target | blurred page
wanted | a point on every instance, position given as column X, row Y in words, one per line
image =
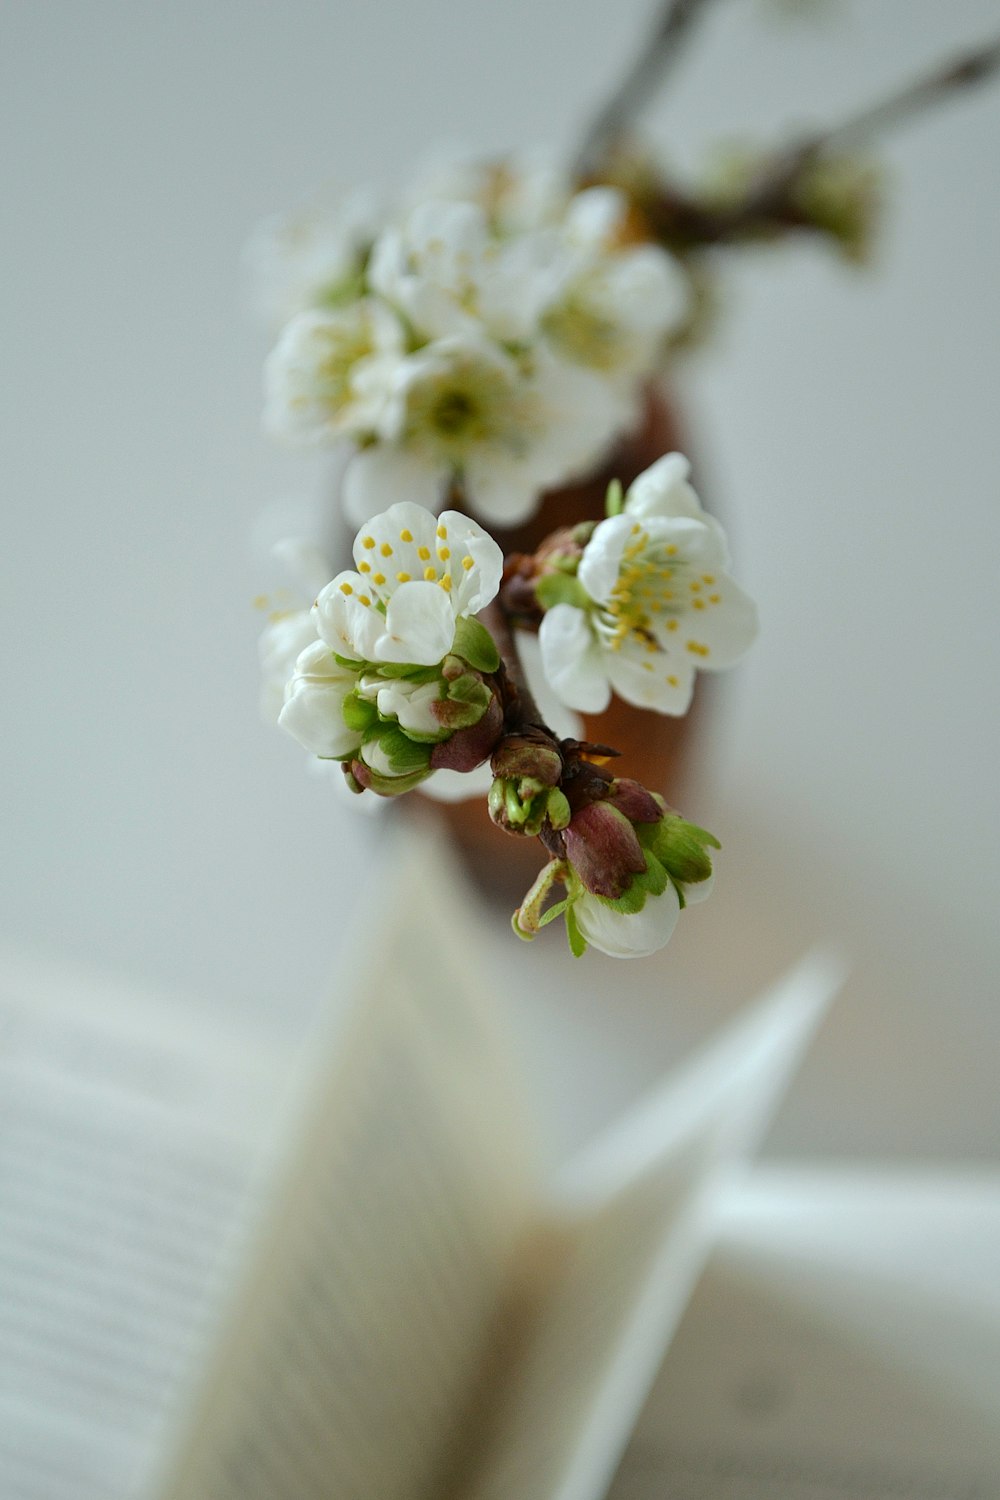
column 373, row 1294
column 128, row 1130
column 843, row 1341
column 634, row 1210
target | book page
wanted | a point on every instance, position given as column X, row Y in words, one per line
column 374, row 1292
column 843, row 1343
column 634, row 1212
column 126, row 1166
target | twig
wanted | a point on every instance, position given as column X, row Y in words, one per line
column 647, row 71
column 525, row 708
column 685, row 221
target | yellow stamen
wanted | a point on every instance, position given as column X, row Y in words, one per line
column 444, row 553
column 364, row 567
column 406, row 535
column 345, row 588
column 467, row 563
column 442, row 532
column 430, row 574
column 385, row 549
column 368, row 541
column 445, row 583
column 378, row 578
column 423, row 553
column 402, row 577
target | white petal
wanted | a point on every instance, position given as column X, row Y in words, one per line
column 663, row 490
column 419, row 625
column 313, row 706
column 650, row 679
column 572, row 660
column 343, row 621
column 633, row 935
column 699, row 891
column 501, row 489
column 411, row 706
column 476, row 586
column 380, row 475
column 720, row 631
column 602, row 556
column 596, row 214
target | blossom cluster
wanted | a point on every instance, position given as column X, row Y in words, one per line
column 490, row 336
column 394, row 682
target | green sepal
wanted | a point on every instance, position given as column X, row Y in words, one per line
column 553, row 912
column 358, row 714
column 404, row 754
column 614, row 500
column 575, row 938
column 682, row 848
column 475, row 645
column 560, row 588
column 558, row 809
column 395, row 786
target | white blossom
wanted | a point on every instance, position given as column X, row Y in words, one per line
column 416, row 575
column 290, row 627
column 464, row 410
column 329, row 373
column 310, row 259
column 615, row 303
column 659, row 603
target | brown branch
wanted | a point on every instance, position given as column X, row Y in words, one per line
column 520, row 707
column 683, row 221
column 648, row 69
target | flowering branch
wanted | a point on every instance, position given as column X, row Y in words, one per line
column 779, row 194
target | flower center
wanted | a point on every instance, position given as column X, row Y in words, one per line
column 645, row 595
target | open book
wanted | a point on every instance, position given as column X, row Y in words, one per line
column 424, row 1315
column 376, row 1290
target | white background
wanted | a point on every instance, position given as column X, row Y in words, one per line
column 847, row 423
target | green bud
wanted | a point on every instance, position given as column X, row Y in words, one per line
column 475, row 645
column 681, row 848
column 560, row 588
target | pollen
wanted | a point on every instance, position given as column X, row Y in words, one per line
column 364, row 599
column 364, row 567
column 698, row 603
column 672, row 681
column 345, row 588
column 423, row 553
column 672, row 550
column 467, row 563
column 671, row 624
column 406, row 535
column 697, row 648
column 378, row 578
column 385, row 549
column 715, row 598
column 430, row 574
column 402, row 577
column 442, row 532
column 368, row 541
column 444, row 553
column 708, row 578
column 696, row 587
column 445, row 583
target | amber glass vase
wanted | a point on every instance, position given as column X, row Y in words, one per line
column 655, row 749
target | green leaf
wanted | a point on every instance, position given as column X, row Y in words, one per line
column 577, row 941
column 560, row 588
column 475, row 645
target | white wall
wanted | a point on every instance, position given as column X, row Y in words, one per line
column 848, row 423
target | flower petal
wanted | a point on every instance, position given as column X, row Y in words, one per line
column 572, row 660
column 654, row 679
column 419, row 625
column 602, row 556
column 663, row 490
column 382, row 474
column 632, row 935
column 719, row 626
column 345, row 617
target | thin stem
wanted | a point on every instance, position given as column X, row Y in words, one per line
column 932, row 88
column 648, row 69
column 496, row 621
column 771, row 202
